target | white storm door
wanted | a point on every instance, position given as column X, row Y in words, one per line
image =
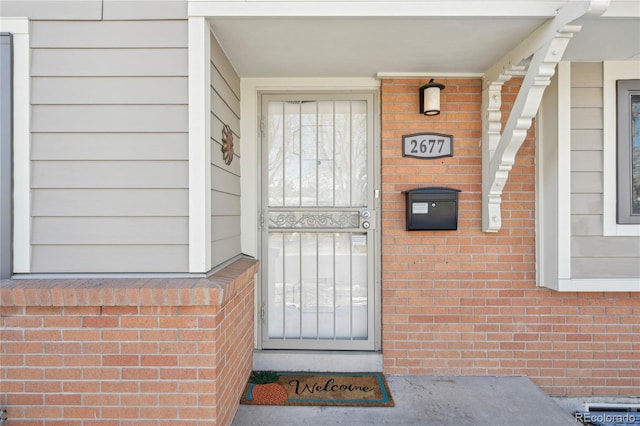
column 318, row 221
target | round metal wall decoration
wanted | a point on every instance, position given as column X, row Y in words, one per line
column 227, row 144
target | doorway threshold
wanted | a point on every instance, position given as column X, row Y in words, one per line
column 334, row 361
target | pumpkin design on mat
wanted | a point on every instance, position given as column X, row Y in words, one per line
column 266, row 389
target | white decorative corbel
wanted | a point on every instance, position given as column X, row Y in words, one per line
column 537, row 57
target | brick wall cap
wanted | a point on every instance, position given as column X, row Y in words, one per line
column 214, row 290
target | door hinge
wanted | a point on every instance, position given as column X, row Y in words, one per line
column 261, row 220
column 261, row 312
column 261, row 126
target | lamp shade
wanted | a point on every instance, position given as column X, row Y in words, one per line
column 430, row 98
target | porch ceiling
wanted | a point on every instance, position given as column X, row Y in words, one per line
column 363, row 46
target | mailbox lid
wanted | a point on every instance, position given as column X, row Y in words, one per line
column 433, row 193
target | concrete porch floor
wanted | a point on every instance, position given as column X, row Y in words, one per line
column 430, row 400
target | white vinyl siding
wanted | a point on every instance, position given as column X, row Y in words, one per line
column 111, row 258
column 110, row 150
column 109, row 230
column 109, row 91
column 110, row 34
column 147, row 9
column 225, row 179
column 109, row 63
column 53, row 9
column 114, row 146
column 593, row 255
column 109, row 118
column 110, row 202
column 109, row 174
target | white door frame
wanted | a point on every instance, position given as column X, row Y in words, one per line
column 250, row 165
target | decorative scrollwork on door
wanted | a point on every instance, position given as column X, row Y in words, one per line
column 313, row 220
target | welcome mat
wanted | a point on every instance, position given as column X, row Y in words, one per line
column 304, row 388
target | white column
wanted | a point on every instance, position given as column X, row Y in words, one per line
column 199, row 145
column 19, row 27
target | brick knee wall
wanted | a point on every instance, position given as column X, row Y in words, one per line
column 156, row 352
column 465, row 302
column 235, row 353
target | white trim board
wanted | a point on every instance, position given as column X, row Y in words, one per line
column 599, row 285
column 392, row 74
column 199, row 146
column 437, row 8
column 408, row 8
column 564, row 171
column 19, row 27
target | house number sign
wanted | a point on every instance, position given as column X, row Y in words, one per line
column 427, row 145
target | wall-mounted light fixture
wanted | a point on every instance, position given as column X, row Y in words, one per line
column 430, row 98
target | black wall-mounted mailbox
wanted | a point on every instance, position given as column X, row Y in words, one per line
column 432, row 209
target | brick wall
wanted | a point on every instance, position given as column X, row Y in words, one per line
column 135, row 352
column 465, row 302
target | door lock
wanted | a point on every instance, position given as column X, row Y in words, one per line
column 368, row 219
